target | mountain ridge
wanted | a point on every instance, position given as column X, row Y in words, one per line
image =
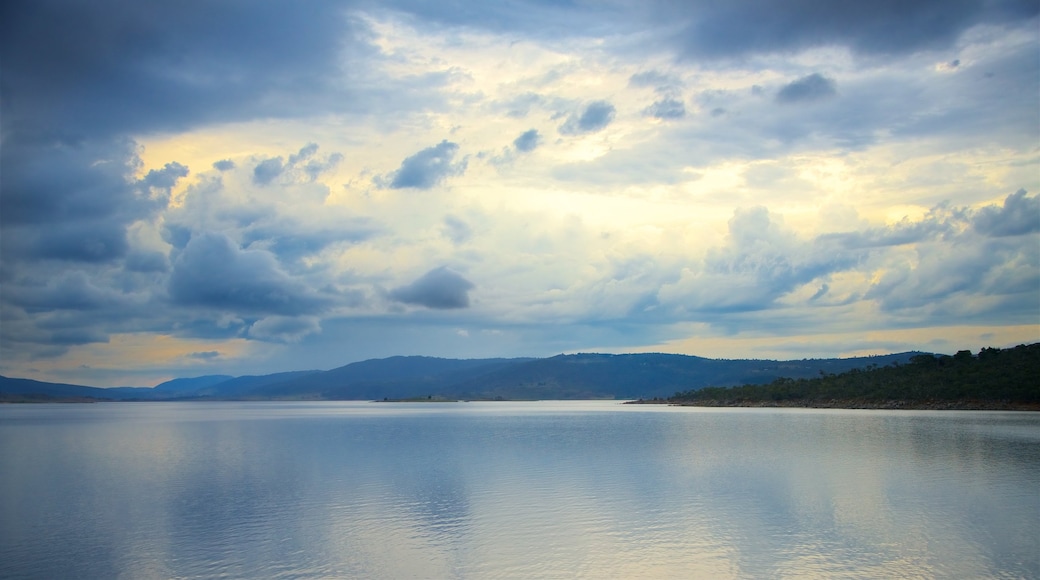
column 564, row 376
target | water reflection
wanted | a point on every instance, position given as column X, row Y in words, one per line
column 514, row 490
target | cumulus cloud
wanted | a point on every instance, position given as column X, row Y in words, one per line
column 165, row 178
column 594, row 117
column 213, row 272
column 268, row 170
column 1019, row 215
column 224, row 165
column 527, row 141
column 440, row 288
column 302, row 162
column 666, row 109
column 808, row 88
column 305, row 153
column 428, row 167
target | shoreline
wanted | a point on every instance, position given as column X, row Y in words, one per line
column 959, row 405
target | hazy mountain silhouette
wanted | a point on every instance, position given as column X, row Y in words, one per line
column 577, row 376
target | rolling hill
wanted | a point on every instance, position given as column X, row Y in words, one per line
column 576, row 376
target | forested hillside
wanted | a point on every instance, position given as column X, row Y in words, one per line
column 993, row 378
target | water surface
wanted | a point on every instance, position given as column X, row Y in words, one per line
column 514, row 490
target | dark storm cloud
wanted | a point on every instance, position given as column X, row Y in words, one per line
column 439, row 288
column 596, row 116
column 808, row 88
column 888, row 27
column 75, row 203
column 527, row 141
column 1019, row 215
column 666, row 109
column 428, row 167
column 98, row 241
column 213, row 272
column 145, row 261
column 71, row 291
column 57, row 184
column 100, row 69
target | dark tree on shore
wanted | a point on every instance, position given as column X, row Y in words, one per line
column 994, row 375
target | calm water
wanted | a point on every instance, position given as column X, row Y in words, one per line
column 514, row 490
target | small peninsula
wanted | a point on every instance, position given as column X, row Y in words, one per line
column 994, row 379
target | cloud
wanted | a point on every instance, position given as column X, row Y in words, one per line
column 284, row 328
column 527, row 141
column 305, row 153
column 212, row 272
column 268, row 170
column 165, row 178
column 655, row 79
column 65, row 183
column 744, row 27
column 73, row 290
column 147, row 261
column 808, row 88
column 95, row 241
column 159, row 67
column 666, row 109
column 458, row 231
column 439, row 288
column 619, row 240
column 428, row 167
column 595, row 117
column 303, row 161
column 1020, row 215
column 989, row 282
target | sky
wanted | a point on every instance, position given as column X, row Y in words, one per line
column 230, row 187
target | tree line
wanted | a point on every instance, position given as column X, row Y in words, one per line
column 992, row 376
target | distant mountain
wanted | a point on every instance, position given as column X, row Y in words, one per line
column 9, row 386
column 191, row 385
column 394, row 377
column 578, row 376
column 242, row 386
column 630, row 376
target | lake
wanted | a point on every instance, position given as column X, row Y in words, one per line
column 551, row 489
